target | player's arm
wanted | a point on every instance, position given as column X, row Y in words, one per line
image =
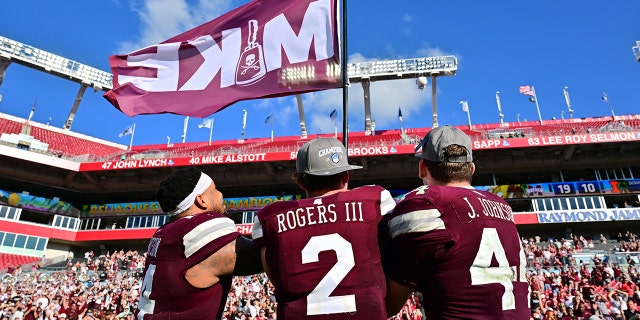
column 263, row 251
column 220, row 263
column 397, row 295
column 237, row 257
column 247, row 258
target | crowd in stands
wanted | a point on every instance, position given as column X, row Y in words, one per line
column 108, row 286
column 563, row 287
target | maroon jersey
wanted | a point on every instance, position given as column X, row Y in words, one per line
column 324, row 256
column 460, row 248
column 174, row 248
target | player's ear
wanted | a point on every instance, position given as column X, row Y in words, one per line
column 345, row 177
column 422, row 169
column 200, row 201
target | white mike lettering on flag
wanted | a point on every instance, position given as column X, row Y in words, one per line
column 262, row 49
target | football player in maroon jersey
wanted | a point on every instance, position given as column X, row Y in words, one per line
column 321, row 253
column 457, row 245
column 190, row 260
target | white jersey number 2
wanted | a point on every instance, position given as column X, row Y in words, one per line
column 319, row 301
column 504, row 274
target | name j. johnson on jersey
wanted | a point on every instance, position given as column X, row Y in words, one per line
column 490, row 208
column 318, row 214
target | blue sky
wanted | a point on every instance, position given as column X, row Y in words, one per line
column 500, row 45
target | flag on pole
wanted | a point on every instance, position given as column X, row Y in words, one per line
column 206, row 123
column 333, row 115
column 33, row 110
column 465, row 106
column 267, row 120
column 604, row 97
column 247, row 53
column 400, row 114
column 127, row 131
column 526, row 90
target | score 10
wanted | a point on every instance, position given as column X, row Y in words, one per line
column 578, row 187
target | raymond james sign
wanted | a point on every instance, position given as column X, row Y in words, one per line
column 589, row 215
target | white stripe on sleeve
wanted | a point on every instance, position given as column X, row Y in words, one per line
column 416, row 221
column 205, row 233
column 387, row 203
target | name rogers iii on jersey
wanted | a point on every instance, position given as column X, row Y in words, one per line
column 318, row 214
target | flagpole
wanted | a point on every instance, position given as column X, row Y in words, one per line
column 133, row 131
column 210, row 131
column 465, row 108
column 568, row 100
column 33, row 110
column 499, row 107
column 468, row 113
column 345, row 79
column 184, row 129
column 244, row 122
column 535, row 97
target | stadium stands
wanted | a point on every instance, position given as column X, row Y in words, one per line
column 566, row 276
column 60, row 142
column 8, row 260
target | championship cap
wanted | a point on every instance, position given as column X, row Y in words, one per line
column 437, row 140
column 323, row 157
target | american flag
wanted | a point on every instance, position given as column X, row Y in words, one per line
column 526, row 90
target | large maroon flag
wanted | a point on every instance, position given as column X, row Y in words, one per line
column 266, row 48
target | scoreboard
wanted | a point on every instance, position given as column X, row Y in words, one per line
column 581, row 187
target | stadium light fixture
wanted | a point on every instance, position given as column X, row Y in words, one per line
column 366, row 72
column 54, row 64
column 86, row 76
column 636, row 50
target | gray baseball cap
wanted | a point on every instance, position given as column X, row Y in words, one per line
column 438, row 139
column 323, row 157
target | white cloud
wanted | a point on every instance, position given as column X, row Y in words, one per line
column 386, row 97
column 431, row 52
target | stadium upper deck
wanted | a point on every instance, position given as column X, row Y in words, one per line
column 540, row 168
